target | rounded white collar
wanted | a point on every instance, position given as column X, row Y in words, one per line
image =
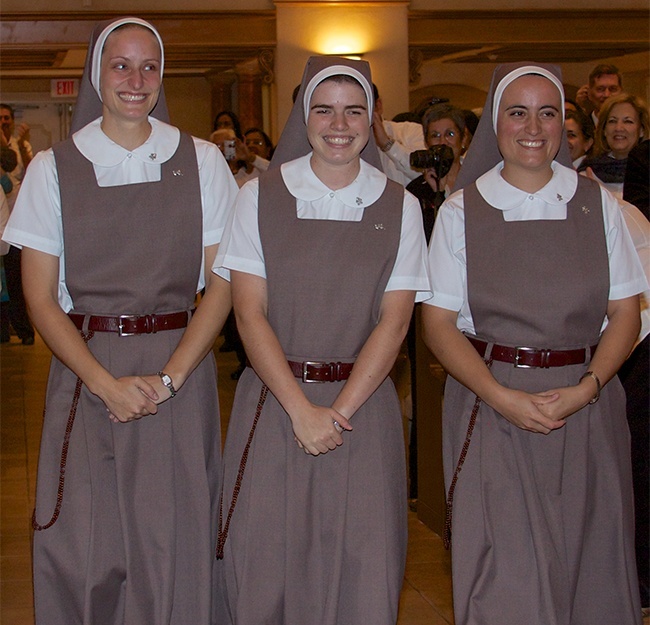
column 304, row 185
column 502, row 195
column 102, row 151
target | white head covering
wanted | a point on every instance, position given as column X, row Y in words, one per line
column 95, row 71
column 518, row 73
column 293, row 142
column 336, row 70
column 483, row 153
column 89, row 105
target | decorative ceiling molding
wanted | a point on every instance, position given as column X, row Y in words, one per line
column 196, row 43
column 543, row 35
column 416, row 58
column 557, row 52
column 266, row 60
column 42, row 45
column 571, row 28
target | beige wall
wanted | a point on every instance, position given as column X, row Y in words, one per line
column 188, row 100
column 379, row 31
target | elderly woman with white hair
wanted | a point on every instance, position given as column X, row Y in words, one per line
column 117, row 225
column 535, row 307
column 327, row 257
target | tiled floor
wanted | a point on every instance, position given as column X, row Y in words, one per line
column 426, row 595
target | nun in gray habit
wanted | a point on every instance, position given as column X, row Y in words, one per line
column 117, row 224
column 534, row 308
column 327, row 257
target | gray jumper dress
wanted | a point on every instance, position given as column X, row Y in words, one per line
column 542, row 524
column 134, row 541
column 318, row 540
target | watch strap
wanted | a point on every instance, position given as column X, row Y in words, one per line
column 167, row 381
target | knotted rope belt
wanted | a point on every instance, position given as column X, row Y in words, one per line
column 124, row 325
column 521, row 357
column 307, row 371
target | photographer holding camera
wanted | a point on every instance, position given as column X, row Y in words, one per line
column 446, row 138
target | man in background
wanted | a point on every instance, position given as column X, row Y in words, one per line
column 604, row 81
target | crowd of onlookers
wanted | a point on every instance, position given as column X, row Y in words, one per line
column 607, row 132
column 322, row 264
column 603, row 125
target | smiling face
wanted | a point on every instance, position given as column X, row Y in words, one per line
column 7, row 123
column 338, row 128
column 529, row 130
column 603, row 87
column 130, row 74
column 578, row 143
column 622, row 129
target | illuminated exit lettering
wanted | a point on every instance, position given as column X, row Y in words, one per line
column 64, row 88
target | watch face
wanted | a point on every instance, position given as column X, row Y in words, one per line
column 167, row 381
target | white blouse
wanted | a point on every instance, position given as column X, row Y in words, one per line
column 447, row 261
column 408, row 137
column 36, row 221
column 241, row 248
column 639, row 228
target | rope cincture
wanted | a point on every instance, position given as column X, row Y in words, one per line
column 223, row 533
column 64, row 450
column 446, row 535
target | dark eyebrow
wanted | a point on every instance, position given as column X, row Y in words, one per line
column 120, row 57
column 522, row 106
column 329, row 106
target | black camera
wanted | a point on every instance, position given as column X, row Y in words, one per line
column 439, row 157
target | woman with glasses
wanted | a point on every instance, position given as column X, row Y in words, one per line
column 443, row 124
column 259, row 143
column 535, row 306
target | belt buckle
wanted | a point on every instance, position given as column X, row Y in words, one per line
column 518, row 351
column 310, row 363
column 120, row 326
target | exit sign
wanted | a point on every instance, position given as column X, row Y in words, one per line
column 68, row 88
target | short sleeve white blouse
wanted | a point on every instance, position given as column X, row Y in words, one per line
column 241, row 248
column 36, row 221
column 447, row 261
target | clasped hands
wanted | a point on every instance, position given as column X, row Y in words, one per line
column 545, row 411
column 318, row 429
column 133, row 397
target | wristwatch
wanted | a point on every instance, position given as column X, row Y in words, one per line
column 167, row 381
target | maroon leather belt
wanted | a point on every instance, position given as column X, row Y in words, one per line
column 527, row 357
column 127, row 325
column 310, row 371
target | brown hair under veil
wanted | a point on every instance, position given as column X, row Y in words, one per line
column 89, row 106
column 483, row 153
column 293, row 142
